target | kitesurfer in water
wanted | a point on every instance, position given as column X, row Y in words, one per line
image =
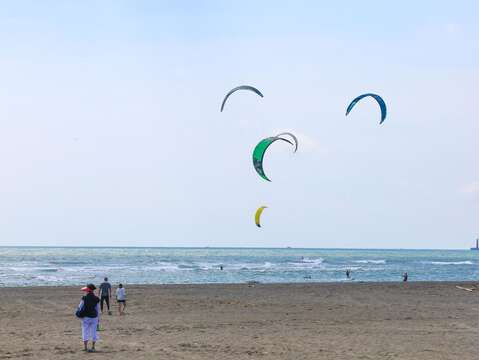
column 348, row 273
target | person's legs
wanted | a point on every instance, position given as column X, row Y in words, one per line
column 121, row 307
column 107, row 299
column 94, row 336
column 101, row 303
column 85, row 332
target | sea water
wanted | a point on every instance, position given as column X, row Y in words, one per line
column 22, row 266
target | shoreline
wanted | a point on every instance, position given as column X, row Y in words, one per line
column 312, row 283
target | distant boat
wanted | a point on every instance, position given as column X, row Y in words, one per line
column 477, row 245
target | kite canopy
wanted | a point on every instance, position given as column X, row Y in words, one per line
column 378, row 98
column 259, row 151
column 293, row 137
column 257, row 216
column 242, row 87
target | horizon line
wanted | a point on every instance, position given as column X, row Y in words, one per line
column 217, row 247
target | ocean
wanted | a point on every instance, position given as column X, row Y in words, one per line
column 40, row 266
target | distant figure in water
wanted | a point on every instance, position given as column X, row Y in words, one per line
column 302, row 258
column 221, row 267
column 348, row 273
column 404, row 277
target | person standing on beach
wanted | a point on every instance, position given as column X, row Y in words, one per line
column 121, row 299
column 89, row 312
column 104, row 292
column 404, row 277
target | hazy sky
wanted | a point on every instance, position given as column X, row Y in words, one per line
column 111, row 132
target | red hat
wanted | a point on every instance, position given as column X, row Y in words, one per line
column 88, row 288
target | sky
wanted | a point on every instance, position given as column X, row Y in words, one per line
column 111, row 134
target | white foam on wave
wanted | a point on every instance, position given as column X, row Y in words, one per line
column 449, row 262
column 49, row 278
column 168, row 267
column 312, row 261
column 370, row 261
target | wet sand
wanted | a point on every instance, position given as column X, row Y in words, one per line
column 287, row 321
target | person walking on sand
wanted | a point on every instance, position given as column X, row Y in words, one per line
column 104, row 293
column 121, row 299
column 89, row 312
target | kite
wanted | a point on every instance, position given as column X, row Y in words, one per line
column 257, row 216
column 242, row 87
column 259, row 151
column 293, row 137
column 378, row 98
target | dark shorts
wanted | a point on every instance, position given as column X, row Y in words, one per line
column 121, row 301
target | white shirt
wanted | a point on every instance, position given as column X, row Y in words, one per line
column 120, row 294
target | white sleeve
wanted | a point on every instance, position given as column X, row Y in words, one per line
column 81, row 304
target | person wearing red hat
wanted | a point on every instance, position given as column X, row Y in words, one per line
column 89, row 312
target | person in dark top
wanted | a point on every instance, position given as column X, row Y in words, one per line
column 104, row 292
column 348, row 273
column 404, row 277
column 89, row 312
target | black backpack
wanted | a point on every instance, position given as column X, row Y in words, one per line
column 80, row 313
column 88, row 307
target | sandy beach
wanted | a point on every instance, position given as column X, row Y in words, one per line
column 287, row 321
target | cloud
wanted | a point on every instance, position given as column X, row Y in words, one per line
column 452, row 29
column 471, row 188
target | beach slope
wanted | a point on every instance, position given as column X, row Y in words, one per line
column 284, row 321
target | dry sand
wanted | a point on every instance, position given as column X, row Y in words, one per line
column 303, row 321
